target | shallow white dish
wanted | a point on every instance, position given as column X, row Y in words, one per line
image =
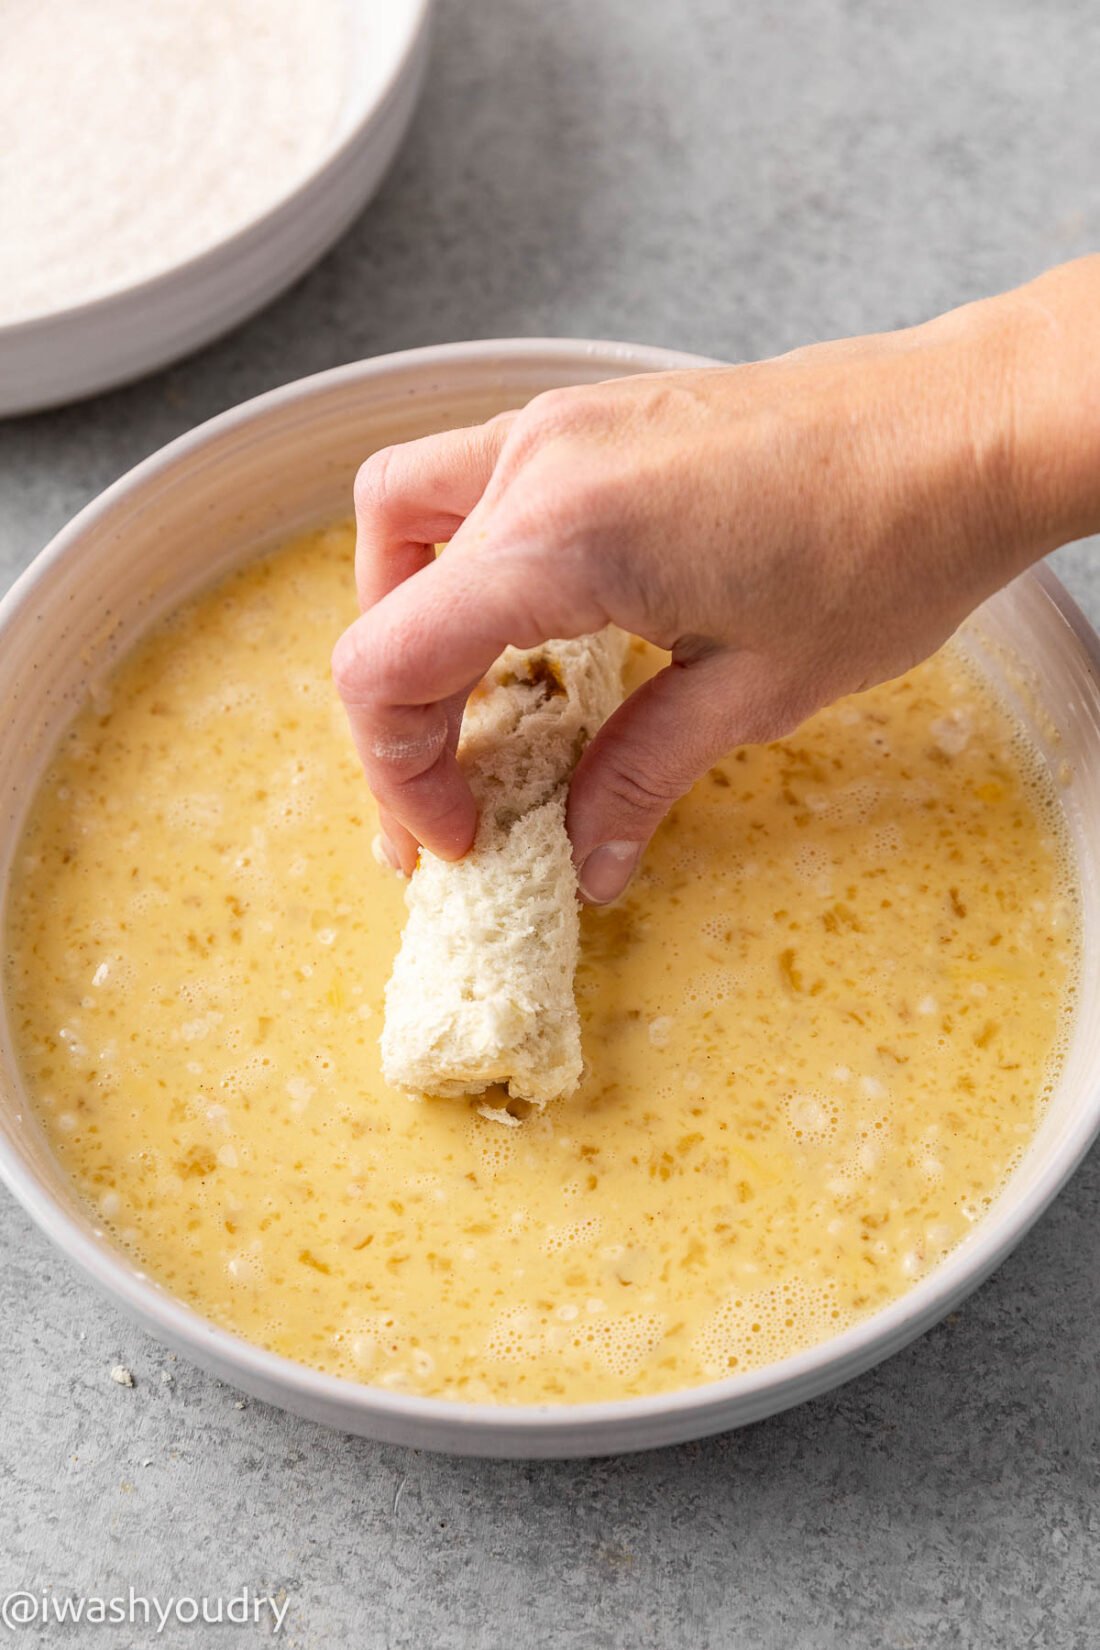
column 285, row 462
column 89, row 347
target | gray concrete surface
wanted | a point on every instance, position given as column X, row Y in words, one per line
column 734, row 179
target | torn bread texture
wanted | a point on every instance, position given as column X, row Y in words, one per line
column 482, row 989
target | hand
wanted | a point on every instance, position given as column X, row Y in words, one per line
column 790, row 531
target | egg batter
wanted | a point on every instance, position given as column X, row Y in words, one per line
column 819, row 1031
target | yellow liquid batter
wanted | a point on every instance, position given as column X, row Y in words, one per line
column 819, row 1032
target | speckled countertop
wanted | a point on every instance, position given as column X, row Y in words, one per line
column 734, row 180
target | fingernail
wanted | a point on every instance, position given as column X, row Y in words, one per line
column 384, row 852
column 607, row 870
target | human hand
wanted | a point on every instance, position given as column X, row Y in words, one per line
column 791, row 531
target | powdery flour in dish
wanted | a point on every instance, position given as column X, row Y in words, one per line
column 135, row 134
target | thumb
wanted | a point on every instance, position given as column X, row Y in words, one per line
column 654, row 748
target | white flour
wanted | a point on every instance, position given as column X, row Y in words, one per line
column 135, row 133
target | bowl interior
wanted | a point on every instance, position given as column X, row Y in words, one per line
column 1043, row 658
column 285, row 463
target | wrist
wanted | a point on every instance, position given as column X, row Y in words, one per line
column 1049, row 344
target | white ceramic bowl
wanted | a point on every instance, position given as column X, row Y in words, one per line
column 77, row 351
column 285, row 462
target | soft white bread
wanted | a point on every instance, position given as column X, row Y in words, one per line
column 482, row 987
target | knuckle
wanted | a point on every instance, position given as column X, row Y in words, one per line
column 409, row 745
column 349, row 670
column 362, row 667
column 554, row 496
column 374, row 481
column 398, row 742
column 554, row 408
column 552, row 414
column 567, row 512
column 645, row 792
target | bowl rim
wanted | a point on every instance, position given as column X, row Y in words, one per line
column 697, row 1408
column 415, row 15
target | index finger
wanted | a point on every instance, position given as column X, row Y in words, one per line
column 411, row 497
column 408, row 498
column 403, row 666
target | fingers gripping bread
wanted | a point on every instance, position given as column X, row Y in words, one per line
column 482, row 988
